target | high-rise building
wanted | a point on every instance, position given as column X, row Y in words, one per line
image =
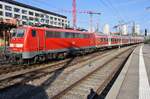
column 25, row 13
column 106, row 29
column 137, row 29
column 124, row 29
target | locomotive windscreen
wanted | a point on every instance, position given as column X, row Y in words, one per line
column 18, row 33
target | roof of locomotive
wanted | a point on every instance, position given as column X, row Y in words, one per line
column 57, row 29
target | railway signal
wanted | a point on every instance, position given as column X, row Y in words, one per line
column 145, row 32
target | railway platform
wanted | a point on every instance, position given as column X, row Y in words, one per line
column 134, row 80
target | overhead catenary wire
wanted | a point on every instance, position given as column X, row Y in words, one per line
column 109, row 5
column 115, row 9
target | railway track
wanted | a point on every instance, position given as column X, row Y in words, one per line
column 16, row 77
column 7, row 68
column 40, row 74
column 95, row 81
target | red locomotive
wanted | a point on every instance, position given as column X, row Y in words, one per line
column 40, row 43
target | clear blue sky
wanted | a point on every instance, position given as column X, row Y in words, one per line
column 112, row 11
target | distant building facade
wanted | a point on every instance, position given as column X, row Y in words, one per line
column 25, row 13
column 106, row 29
column 124, row 30
column 136, row 29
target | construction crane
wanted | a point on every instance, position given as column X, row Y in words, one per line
column 91, row 19
column 74, row 10
column 91, row 13
column 74, row 14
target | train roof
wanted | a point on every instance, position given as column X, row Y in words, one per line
column 57, row 29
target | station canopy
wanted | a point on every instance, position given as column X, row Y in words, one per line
column 7, row 24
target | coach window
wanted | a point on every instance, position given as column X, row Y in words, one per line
column 33, row 33
column 87, row 35
column 112, row 39
column 106, row 39
column 102, row 40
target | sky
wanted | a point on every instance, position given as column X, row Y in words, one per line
column 112, row 11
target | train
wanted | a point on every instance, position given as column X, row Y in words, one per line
column 30, row 43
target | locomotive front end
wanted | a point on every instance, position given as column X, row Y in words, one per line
column 16, row 46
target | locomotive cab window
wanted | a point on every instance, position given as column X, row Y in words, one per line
column 18, row 33
column 33, row 33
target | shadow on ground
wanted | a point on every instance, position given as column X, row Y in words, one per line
column 50, row 80
column 22, row 92
column 32, row 92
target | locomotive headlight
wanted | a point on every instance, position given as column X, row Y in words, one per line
column 12, row 45
column 19, row 45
